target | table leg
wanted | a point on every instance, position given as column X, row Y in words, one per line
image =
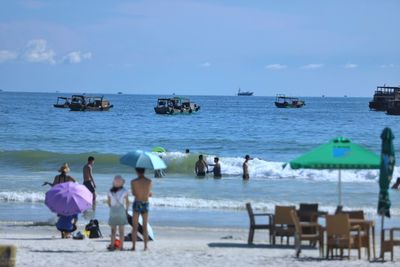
column 373, row 241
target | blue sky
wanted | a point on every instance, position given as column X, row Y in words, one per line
column 302, row 47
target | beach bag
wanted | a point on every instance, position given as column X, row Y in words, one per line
column 93, row 228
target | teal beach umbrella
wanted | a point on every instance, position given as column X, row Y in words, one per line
column 388, row 161
column 145, row 160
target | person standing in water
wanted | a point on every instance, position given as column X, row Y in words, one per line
column 217, row 168
column 201, row 167
column 246, row 175
column 63, row 177
column 141, row 190
column 88, row 180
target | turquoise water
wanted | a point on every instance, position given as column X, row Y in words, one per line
column 35, row 139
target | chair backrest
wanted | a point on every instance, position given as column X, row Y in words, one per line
column 250, row 213
column 338, row 225
column 296, row 222
column 308, row 212
column 313, row 207
column 282, row 215
column 355, row 214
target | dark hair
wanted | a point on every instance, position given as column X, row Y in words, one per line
column 216, row 159
column 187, row 150
column 91, row 158
column 115, row 189
column 201, row 157
column 247, row 157
column 140, row 170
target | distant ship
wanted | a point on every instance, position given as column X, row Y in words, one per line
column 244, row 93
column 382, row 96
column 120, row 93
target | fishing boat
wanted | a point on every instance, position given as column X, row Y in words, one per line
column 382, row 96
column 244, row 93
column 62, row 102
column 283, row 101
column 175, row 105
column 89, row 103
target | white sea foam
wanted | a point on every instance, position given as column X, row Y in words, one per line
column 261, row 169
column 191, row 203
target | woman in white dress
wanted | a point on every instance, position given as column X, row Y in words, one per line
column 118, row 202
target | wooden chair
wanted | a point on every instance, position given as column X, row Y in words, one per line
column 388, row 245
column 308, row 212
column 283, row 223
column 364, row 230
column 339, row 235
column 254, row 226
column 317, row 236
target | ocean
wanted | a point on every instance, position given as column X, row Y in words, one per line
column 36, row 139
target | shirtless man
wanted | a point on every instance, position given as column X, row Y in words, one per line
column 246, row 175
column 201, row 167
column 88, row 180
column 217, row 168
column 141, row 190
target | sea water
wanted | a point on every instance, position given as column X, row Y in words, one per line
column 36, row 139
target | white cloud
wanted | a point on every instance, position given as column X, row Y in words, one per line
column 6, row 55
column 350, row 66
column 76, row 57
column 388, row 66
column 276, row 66
column 37, row 51
column 205, row 64
column 312, row 66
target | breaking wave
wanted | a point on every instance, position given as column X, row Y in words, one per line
column 178, row 163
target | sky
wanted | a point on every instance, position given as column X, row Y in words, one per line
column 190, row 47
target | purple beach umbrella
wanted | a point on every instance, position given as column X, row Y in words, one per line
column 68, row 199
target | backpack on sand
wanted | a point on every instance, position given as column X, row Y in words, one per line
column 93, row 228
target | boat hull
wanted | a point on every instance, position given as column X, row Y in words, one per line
column 86, row 108
column 174, row 111
column 61, row 105
column 378, row 106
column 288, row 105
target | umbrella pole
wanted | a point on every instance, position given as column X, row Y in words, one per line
column 382, row 235
column 340, row 188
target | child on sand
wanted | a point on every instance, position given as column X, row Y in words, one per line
column 118, row 202
column 141, row 190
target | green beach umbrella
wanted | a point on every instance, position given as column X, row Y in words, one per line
column 388, row 161
column 339, row 154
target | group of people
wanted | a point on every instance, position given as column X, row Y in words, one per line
column 117, row 200
column 201, row 168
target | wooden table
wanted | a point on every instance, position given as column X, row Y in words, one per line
column 370, row 225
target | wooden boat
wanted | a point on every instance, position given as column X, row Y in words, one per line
column 62, row 102
column 283, row 101
column 175, row 105
column 244, row 93
column 382, row 96
column 89, row 103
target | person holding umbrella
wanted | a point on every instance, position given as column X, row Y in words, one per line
column 141, row 188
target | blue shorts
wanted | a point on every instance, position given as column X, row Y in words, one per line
column 140, row 206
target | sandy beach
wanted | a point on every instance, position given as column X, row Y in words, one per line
column 42, row 246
